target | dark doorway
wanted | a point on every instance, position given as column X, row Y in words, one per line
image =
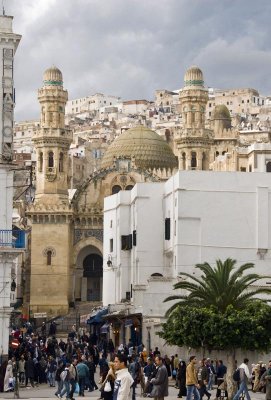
column 93, row 271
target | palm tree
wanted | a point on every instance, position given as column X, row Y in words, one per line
column 218, row 287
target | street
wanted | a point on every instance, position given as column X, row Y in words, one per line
column 45, row 392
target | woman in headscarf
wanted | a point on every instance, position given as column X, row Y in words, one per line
column 181, row 378
column 8, row 381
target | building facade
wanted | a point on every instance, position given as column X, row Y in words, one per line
column 9, row 42
column 194, row 217
column 67, row 226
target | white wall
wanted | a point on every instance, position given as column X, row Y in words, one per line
column 214, row 215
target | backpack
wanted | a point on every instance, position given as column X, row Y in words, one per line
column 236, row 375
column 65, row 375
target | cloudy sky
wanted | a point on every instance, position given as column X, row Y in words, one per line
column 130, row 48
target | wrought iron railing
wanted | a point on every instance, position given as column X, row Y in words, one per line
column 12, row 238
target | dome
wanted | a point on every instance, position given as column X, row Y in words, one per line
column 52, row 76
column 146, row 147
column 221, row 112
column 194, row 77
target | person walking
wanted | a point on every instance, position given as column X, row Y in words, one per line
column 266, row 381
column 58, row 379
column 192, row 385
column 160, row 382
column 181, row 377
column 244, row 379
column 65, row 378
column 124, row 380
column 73, row 378
column 203, row 379
column 83, row 374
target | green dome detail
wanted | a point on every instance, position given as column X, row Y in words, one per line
column 144, row 146
column 52, row 77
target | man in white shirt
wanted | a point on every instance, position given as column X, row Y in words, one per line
column 244, row 379
column 123, row 380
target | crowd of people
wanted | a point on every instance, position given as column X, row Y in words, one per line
column 69, row 366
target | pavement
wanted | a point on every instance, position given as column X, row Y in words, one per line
column 43, row 392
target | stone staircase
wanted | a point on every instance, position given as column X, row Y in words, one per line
column 65, row 323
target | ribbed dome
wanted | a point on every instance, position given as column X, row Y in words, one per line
column 222, row 112
column 194, row 77
column 52, row 76
column 145, row 146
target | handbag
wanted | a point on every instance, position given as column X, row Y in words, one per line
column 77, row 388
column 107, row 387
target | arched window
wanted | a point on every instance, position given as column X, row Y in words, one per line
column 129, row 187
column 157, row 274
column 184, row 161
column 49, row 257
column 51, row 159
column 193, row 160
column 61, row 159
column 116, row 189
column 268, row 166
column 40, row 162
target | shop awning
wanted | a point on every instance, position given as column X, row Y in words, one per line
column 97, row 318
column 104, row 328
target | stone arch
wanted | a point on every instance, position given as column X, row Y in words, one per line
column 88, row 270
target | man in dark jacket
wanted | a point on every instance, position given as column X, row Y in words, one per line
column 160, row 382
column 29, row 371
column 203, row 379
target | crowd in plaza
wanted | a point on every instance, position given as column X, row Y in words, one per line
column 69, row 366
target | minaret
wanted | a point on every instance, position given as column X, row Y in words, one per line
column 52, row 141
column 51, row 214
column 193, row 143
column 194, row 97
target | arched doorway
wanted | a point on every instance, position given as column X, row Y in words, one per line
column 88, row 283
column 93, row 271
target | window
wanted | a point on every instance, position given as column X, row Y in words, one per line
column 126, row 242
column 61, row 159
column 193, row 160
column 41, row 162
column 111, row 245
column 134, row 238
column 129, row 187
column 116, row 189
column 268, row 166
column 49, row 257
column 51, row 159
column 167, row 228
column 250, row 168
column 111, row 223
column 243, row 169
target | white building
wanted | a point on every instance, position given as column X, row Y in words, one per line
column 90, row 103
column 9, row 239
column 157, row 230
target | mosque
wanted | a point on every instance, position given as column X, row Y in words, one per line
column 67, row 228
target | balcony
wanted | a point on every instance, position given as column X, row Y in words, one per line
column 12, row 238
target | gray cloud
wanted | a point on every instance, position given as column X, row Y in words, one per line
column 130, row 48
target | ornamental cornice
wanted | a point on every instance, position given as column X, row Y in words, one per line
column 48, row 208
column 194, row 141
